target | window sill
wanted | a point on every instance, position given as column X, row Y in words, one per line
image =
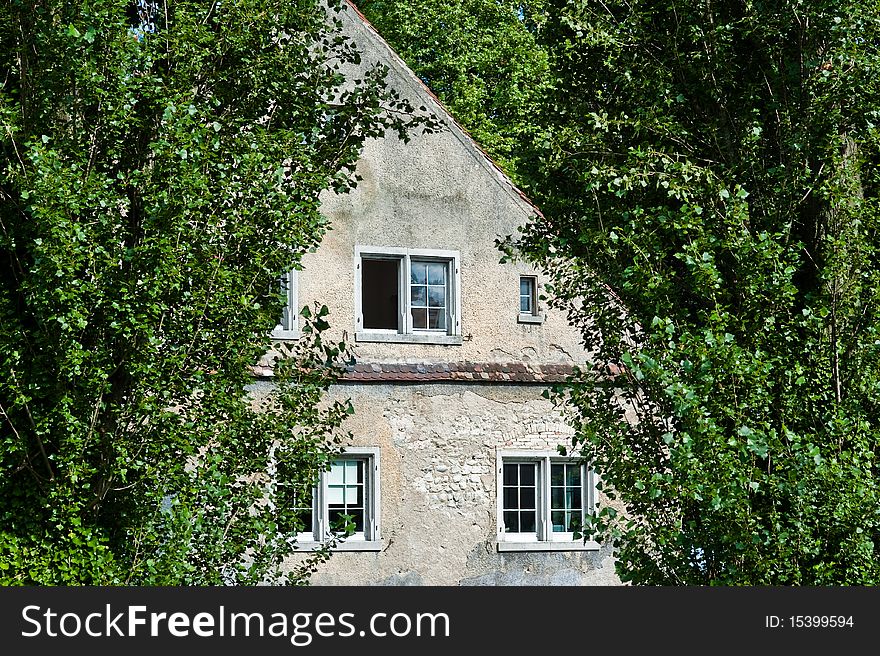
column 285, row 335
column 548, row 546
column 409, row 338
column 354, row 545
column 530, row 318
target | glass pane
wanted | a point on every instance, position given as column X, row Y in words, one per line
column 420, row 318
column 511, row 498
column 305, row 521
column 336, row 496
column 557, row 497
column 300, row 497
column 524, row 304
column 352, row 471
column 573, row 498
column 436, row 273
column 418, row 273
column 436, row 296
column 574, row 475
column 525, row 287
column 511, row 522
column 527, row 474
column 526, row 497
column 527, row 522
column 437, row 319
column 337, row 520
column 557, row 474
column 336, row 476
column 353, row 496
column 510, row 474
column 357, row 517
column 418, row 295
column 557, row 518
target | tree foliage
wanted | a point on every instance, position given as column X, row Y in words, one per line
column 480, row 59
column 708, row 174
column 162, row 165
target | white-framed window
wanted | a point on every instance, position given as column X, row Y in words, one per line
column 288, row 326
column 528, row 300
column 542, row 501
column 407, row 295
column 347, row 493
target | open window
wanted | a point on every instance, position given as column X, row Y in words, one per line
column 407, row 295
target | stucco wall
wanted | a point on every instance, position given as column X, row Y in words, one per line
column 438, row 487
column 436, row 192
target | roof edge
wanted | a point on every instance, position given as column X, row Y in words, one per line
column 463, row 135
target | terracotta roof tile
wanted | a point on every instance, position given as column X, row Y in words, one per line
column 515, row 372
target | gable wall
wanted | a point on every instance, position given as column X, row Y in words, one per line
column 440, row 192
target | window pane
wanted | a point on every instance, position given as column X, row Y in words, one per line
column 288, row 314
column 436, row 296
column 527, row 522
column 337, row 521
column 336, row 475
column 557, row 518
column 379, row 293
column 557, row 474
column 437, row 319
column 527, row 497
column 527, row 474
column 573, row 498
column 306, row 521
column 418, row 295
column 436, row 273
column 418, row 273
column 420, row 318
column 573, row 475
column 353, row 469
column 354, row 495
column 511, row 498
column 557, row 497
column 511, row 522
column 294, row 505
column 526, row 295
column 510, row 474
column 357, row 517
column 336, row 496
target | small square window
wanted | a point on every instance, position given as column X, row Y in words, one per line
column 528, row 300
column 543, row 500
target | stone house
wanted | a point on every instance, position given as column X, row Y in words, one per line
column 453, row 476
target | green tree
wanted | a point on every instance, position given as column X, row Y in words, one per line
column 162, row 165
column 481, row 59
column 709, row 179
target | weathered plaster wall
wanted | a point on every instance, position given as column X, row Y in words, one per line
column 438, row 487
column 440, row 192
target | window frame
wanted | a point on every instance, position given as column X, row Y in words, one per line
column 406, row 332
column 543, row 538
column 370, row 538
column 289, row 329
column 535, row 316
